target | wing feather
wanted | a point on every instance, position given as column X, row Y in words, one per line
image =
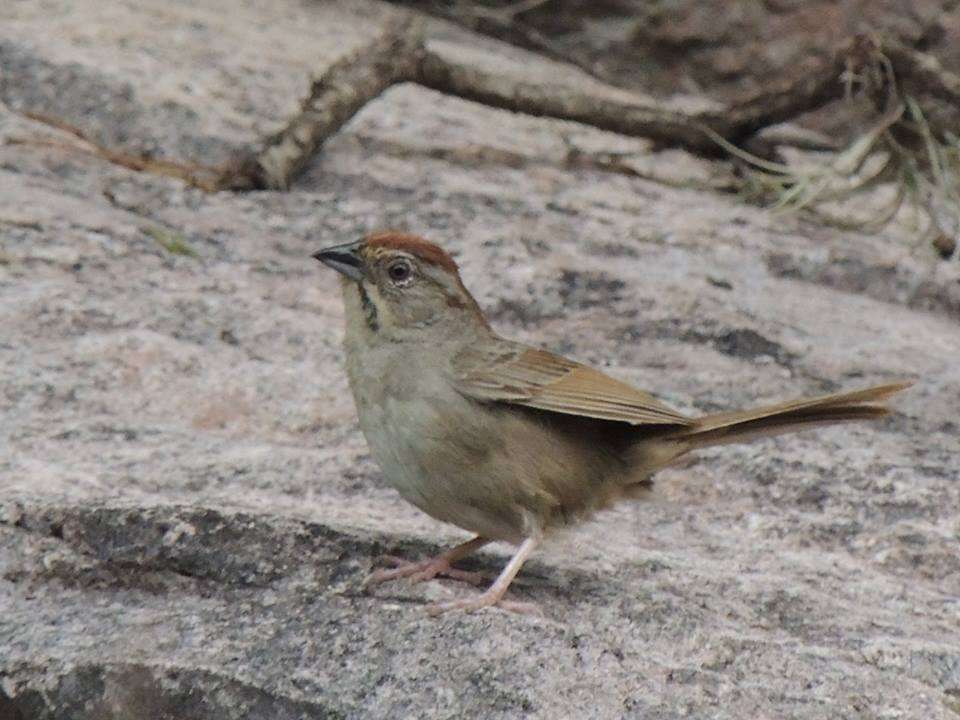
column 514, row 373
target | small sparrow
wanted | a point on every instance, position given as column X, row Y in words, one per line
column 504, row 440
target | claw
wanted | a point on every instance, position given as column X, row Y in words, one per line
column 442, row 565
column 467, row 576
column 421, row 571
column 494, row 594
column 424, row 570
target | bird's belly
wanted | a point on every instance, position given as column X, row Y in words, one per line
column 495, row 471
column 445, row 457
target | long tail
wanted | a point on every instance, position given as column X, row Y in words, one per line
column 742, row 426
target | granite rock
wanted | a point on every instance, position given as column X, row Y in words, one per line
column 187, row 508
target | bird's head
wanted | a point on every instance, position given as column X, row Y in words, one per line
column 402, row 286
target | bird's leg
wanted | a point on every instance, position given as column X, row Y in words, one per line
column 432, row 567
column 494, row 594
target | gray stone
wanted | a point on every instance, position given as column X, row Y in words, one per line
column 187, row 509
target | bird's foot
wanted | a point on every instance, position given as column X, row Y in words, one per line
column 493, row 595
column 487, row 599
column 421, row 571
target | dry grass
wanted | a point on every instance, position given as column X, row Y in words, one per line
column 900, row 162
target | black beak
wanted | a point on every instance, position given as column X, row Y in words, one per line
column 344, row 259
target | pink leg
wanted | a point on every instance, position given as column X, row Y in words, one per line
column 432, row 567
column 494, row 594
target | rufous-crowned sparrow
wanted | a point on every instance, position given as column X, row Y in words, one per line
column 501, row 439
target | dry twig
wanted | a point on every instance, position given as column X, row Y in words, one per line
column 335, row 97
column 199, row 176
column 401, row 55
column 921, row 143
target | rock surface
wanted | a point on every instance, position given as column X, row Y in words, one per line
column 187, row 507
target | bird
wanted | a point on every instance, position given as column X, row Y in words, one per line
column 507, row 441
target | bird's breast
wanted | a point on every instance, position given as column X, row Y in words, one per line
column 491, row 468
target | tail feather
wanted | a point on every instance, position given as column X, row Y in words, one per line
column 746, row 425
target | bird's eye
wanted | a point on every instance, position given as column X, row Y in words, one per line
column 400, row 272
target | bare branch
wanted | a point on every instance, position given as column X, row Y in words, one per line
column 334, row 98
column 885, row 69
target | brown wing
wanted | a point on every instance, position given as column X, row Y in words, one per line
column 517, row 374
